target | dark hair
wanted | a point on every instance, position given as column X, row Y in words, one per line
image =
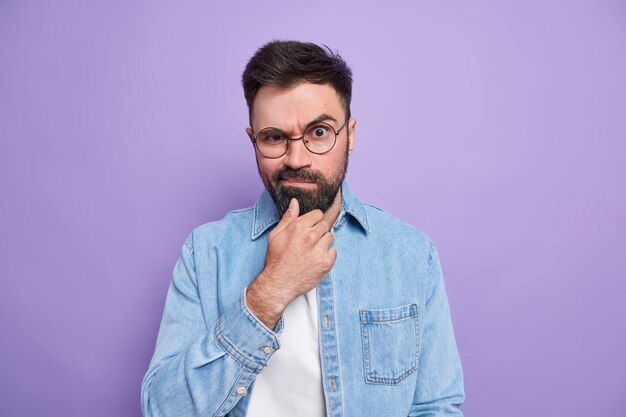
column 287, row 63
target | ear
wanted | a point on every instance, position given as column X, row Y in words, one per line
column 250, row 134
column 351, row 135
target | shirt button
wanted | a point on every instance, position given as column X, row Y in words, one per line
column 268, row 349
column 242, row 391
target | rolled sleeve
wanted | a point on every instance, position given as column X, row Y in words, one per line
column 245, row 338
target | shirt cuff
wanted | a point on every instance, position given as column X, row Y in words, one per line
column 245, row 338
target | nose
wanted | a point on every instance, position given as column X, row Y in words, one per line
column 297, row 156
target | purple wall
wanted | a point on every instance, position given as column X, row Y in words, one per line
column 498, row 129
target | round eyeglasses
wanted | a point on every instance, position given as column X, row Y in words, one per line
column 318, row 138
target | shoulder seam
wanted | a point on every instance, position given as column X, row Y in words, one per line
column 224, row 218
column 417, row 229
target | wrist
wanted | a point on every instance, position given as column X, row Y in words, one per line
column 264, row 303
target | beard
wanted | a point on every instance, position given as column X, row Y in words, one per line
column 309, row 199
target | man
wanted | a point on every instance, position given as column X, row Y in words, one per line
column 309, row 303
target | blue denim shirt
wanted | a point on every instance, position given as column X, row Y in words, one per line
column 387, row 346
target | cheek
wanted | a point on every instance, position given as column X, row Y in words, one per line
column 267, row 168
column 333, row 165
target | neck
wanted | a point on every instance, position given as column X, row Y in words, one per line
column 330, row 216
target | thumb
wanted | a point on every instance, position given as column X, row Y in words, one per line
column 293, row 211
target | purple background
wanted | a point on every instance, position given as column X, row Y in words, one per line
column 497, row 129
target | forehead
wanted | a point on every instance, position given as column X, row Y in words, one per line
column 292, row 108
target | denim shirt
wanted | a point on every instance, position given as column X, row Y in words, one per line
column 387, row 346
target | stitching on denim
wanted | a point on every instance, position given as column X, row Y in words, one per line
column 219, row 337
column 323, row 351
column 420, row 232
column 336, row 331
column 367, row 220
column 189, row 244
column 364, row 348
column 228, row 398
column 364, row 223
column 405, row 315
column 241, row 210
column 233, row 351
column 431, row 252
column 368, row 338
column 411, row 315
column 254, row 228
column 269, row 222
column 258, row 231
column 418, row 343
column 393, row 381
column 365, row 338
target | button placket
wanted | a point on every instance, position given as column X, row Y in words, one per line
column 329, row 353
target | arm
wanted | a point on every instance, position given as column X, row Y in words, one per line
column 200, row 368
column 439, row 390
column 204, row 364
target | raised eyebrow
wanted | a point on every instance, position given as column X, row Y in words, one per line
column 322, row 118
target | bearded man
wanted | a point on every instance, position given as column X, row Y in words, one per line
column 311, row 302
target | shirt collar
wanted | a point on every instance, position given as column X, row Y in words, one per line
column 266, row 215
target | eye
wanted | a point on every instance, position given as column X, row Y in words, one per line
column 319, row 132
column 270, row 136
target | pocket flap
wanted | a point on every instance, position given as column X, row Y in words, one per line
column 388, row 314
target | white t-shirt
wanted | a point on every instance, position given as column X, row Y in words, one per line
column 291, row 384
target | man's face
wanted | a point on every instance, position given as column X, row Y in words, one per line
column 312, row 179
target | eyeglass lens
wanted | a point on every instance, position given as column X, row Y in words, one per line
column 318, row 138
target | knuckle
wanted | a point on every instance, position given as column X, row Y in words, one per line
column 328, row 263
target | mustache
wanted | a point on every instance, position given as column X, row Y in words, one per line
column 303, row 174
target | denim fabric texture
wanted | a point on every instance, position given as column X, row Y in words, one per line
column 387, row 345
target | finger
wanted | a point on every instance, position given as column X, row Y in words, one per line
column 332, row 256
column 327, row 240
column 293, row 211
column 312, row 217
column 319, row 229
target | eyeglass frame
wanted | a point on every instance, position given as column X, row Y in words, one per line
column 336, row 132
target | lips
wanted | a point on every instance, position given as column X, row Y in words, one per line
column 300, row 177
column 297, row 181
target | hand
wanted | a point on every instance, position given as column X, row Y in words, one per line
column 299, row 255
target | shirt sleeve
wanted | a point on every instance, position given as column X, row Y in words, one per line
column 439, row 390
column 200, row 368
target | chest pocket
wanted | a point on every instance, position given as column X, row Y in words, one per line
column 390, row 343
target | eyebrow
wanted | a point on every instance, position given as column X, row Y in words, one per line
column 321, row 118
